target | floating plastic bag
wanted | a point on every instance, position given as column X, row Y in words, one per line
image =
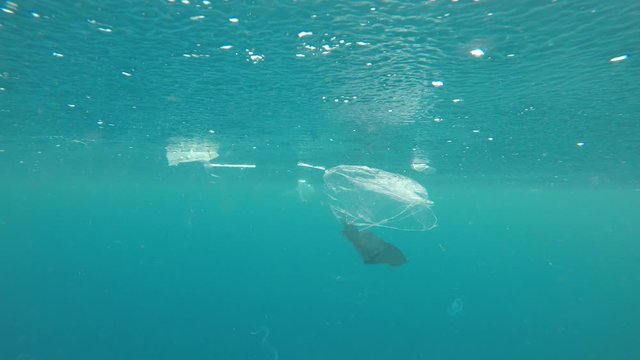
column 368, row 197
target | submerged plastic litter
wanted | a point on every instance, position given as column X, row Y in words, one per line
column 190, row 150
column 368, row 197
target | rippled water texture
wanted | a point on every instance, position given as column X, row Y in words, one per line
column 162, row 193
column 488, row 87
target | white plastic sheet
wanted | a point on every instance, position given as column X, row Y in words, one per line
column 190, row 150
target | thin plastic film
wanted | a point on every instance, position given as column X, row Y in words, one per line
column 368, row 197
column 190, row 150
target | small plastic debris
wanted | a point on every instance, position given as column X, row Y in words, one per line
column 190, row 150
column 477, row 52
column 618, row 58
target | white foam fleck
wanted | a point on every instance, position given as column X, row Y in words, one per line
column 437, row 83
column 226, row 47
column 126, row 73
column 195, row 55
column 234, row 20
column 302, row 34
column 197, row 17
column 57, row 54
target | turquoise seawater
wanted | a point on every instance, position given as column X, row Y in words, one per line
column 520, row 118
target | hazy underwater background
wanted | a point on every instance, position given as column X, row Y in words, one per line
column 519, row 118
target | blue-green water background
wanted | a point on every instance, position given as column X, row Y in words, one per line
column 108, row 253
